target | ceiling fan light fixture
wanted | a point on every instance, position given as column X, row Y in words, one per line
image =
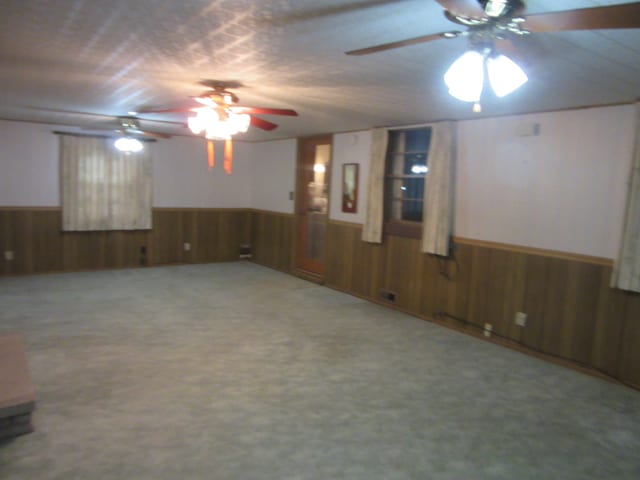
column 505, row 75
column 465, row 77
column 204, row 117
column 128, row 145
column 239, row 122
column 495, row 8
column 218, row 126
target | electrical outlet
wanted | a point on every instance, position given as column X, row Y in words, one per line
column 387, row 295
column 521, row 319
column 8, row 255
column 245, row 251
column 186, row 246
column 488, row 328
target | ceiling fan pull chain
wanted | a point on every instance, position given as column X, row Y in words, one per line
column 210, row 154
column 228, row 155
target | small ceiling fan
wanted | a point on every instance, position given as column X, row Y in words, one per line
column 125, row 125
column 489, row 26
column 130, row 125
column 218, row 116
column 127, row 129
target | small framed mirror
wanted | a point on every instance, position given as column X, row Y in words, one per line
column 350, row 187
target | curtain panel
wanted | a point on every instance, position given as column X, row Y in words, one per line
column 372, row 228
column 437, row 209
column 626, row 270
column 102, row 188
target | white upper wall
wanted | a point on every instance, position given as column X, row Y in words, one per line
column 29, row 170
column 564, row 189
column 182, row 179
column 273, row 175
column 28, row 165
column 349, row 148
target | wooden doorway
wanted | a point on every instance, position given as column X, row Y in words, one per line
column 312, row 204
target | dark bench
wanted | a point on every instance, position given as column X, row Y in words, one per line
column 17, row 399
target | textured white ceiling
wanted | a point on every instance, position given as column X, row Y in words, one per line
column 110, row 57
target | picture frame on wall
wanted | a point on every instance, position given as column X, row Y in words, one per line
column 350, row 187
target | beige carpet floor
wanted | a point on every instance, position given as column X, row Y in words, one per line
column 234, row 371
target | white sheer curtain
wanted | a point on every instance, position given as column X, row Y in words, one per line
column 102, row 188
column 372, row 228
column 626, row 271
column 437, row 209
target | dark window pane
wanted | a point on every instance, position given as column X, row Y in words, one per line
column 417, row 140
column 413, row 188
column 412, row 211
column 407, row 154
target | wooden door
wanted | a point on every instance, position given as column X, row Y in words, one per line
column 314, row 156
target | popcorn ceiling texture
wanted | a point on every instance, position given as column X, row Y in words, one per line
column 113, row 57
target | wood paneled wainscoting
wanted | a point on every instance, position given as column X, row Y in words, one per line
column 38, row 244
column 272, row 235
column 572, row 313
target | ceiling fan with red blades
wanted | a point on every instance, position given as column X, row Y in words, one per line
column 497, row 19
column 218, row 116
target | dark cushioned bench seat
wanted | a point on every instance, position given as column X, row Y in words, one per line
column 17, row 399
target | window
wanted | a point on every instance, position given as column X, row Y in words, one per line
column 406, row 168
column 102, row 188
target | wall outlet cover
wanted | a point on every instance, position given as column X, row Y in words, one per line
column 488, row 328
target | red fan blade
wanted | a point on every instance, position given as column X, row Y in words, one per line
column 263, row 124
column 403, row 43
column 469, row 8
column 596, row 18
column 264, row 111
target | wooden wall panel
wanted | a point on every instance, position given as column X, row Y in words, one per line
column 368, row 272
column 537, row 270
column 497, row 290
column 215, row 235
column 578, row 316
column 39, row 245
column 609, row 325
column 46, row 241
column 165, row 241
column 272, row 239
column 6, row 241
column 354, row 265
column 339, row 265
column 403, row 271
column 232, row 232
column 572, row 313
column 630, row 348
column 445, row 284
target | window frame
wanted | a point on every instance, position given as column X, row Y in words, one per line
column 396, row 226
